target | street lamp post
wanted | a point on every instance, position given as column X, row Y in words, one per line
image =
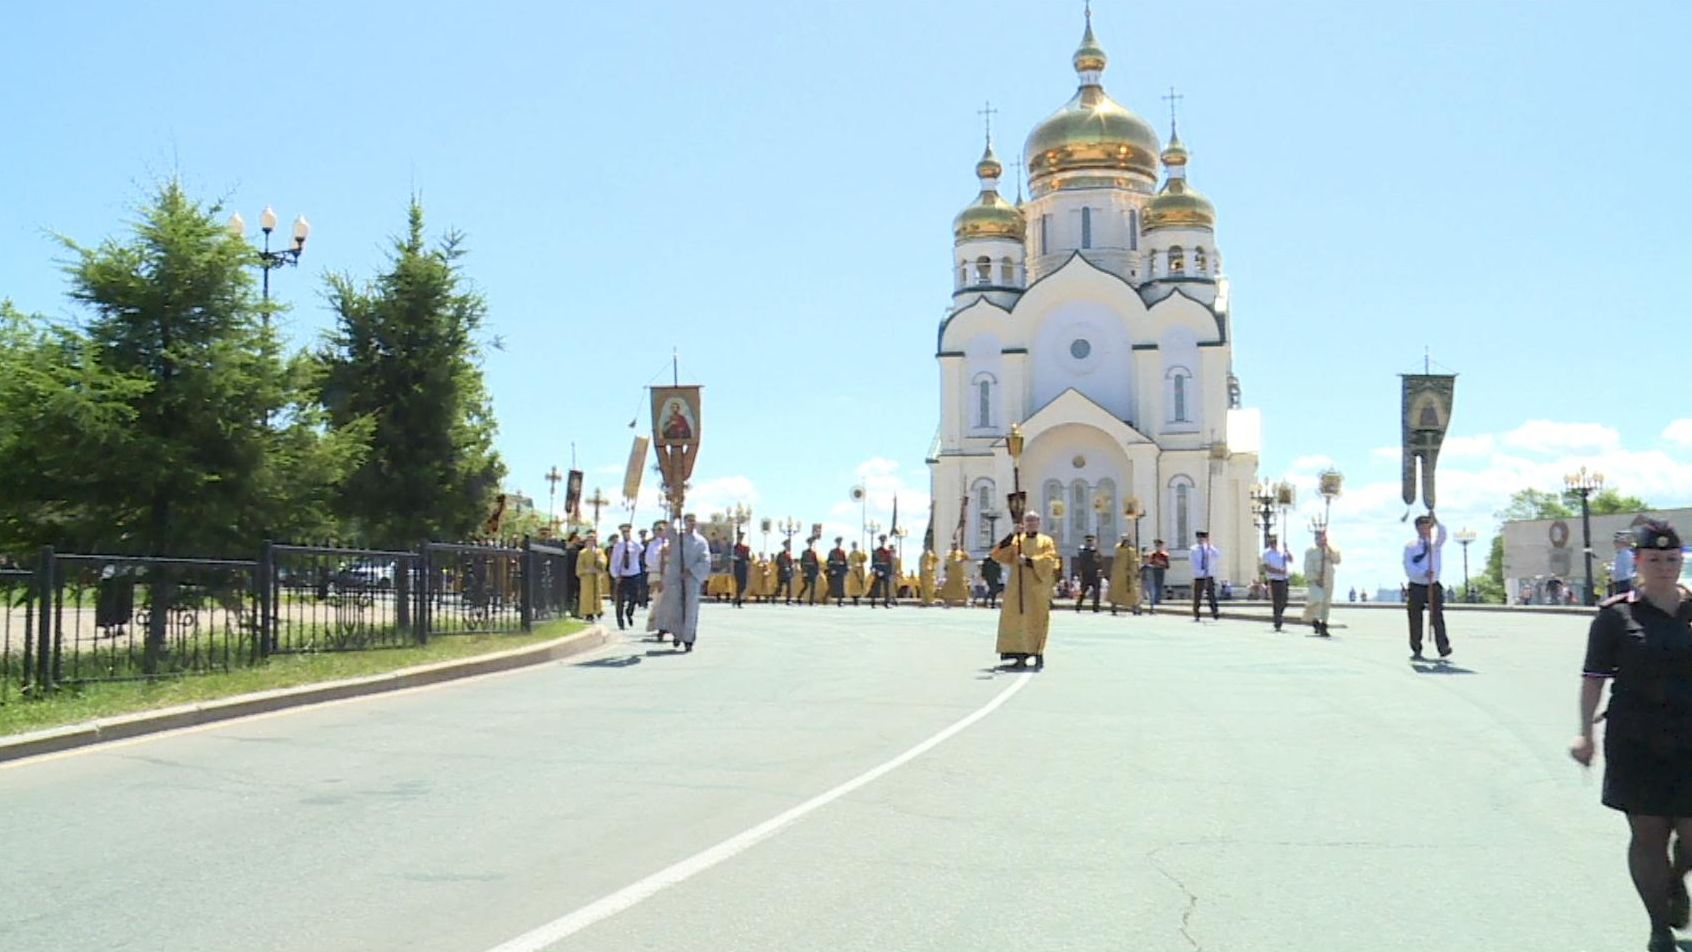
column 789, row 527
column 271, row 260
column 1465, row 536
column 1583, row 484
column 1263, row 508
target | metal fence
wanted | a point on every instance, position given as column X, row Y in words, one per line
column 74, row 618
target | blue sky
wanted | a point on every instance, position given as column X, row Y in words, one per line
column 768, row 188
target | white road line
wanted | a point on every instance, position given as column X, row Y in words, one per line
column 558, row 929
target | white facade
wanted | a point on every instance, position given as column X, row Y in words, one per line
column 1118, row 369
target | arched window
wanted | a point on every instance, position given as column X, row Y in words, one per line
column 1178, row 395
column 1045, row 228
column 1007, row 271
column 984, row 384
column 1080, row 509
column 985, row 501
column 1086, row 227
column 1151, row 263
column 1177, row 260
column 1198, row 259
column 983, row 269
column 1181, row 493
column 963, row 272
column 1133, row 229
column 1106, row 491
column 1050, row 493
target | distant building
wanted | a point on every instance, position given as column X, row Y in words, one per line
column 1537, row 550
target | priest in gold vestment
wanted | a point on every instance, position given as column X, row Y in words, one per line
column 1032, row 564
column 959, row 568
column 1125, row 578
column 925, row 577
column 591, row 578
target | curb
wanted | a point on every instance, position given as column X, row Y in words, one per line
column 55, row 739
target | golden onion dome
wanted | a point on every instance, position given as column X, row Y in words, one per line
column 989, row 216
column 1178, row 204
column 1091, row 131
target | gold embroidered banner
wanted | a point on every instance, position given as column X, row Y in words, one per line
column 1427, row 415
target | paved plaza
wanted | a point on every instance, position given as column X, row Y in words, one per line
column 843, row 779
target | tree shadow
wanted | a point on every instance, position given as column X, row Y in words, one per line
column 620, row 662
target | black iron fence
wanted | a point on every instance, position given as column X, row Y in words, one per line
column 74, row 618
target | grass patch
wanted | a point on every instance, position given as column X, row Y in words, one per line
column 85, row 702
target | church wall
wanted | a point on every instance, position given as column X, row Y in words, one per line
column 1085, row 345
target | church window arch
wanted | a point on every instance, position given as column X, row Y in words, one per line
column 1086, row 227
column 963, row 273
column 984, row 384
column 1105, row 493
column 1080, row 508
column 1133, row 229
column 1182, row 491
column 1007, row 271
column 1198, row 259
column 1045, row 234
column 1177, row 260
column 1179, row 385
column 1050, row 493
column 1151, row 263
column 984, row 495
column 983, row 270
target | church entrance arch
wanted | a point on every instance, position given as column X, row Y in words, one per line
column 1072, row 462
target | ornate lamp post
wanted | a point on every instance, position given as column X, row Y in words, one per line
column 789, row 527
column 1286, row 497
column 1132, row 512
column 1465, row 536
column 899, row 534
column 1583, row 484
column 764, row 527
column 1263, row 508
column 271, row 260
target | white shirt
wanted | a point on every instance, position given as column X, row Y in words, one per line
column 625, row 558
column 1204, row 558
column 654, row 554
column 1421, row 557
column 1275, row 564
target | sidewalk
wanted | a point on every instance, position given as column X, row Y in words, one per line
column 106, row 729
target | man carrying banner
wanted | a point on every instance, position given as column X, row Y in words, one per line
column 1422, row 565
column 687, row 564
column 1025, row 619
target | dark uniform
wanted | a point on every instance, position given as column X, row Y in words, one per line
column 1087, row 564
column 994, row 575
column 742, row 567
column 881, row 570
column 808, row 569
column 837, row 573
column 784, row 575
column 1647, row 654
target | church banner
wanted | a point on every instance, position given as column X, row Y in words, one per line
column 573, row 494
column 1427, row 415
column 675, row 416
column 637, row 463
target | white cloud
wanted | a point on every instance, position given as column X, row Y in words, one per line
column 1548, row 436
column 1311, row 464
column 1467, row 446
column 1679, row 432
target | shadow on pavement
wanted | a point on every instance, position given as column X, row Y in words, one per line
column 622, row 662
column 988, row 674
column 1439, row 667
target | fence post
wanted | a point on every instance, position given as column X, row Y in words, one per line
column 526, row 565
column 425, row 592
column 44, row 630
column 266, row 570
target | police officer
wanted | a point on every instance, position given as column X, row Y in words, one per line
column 1087, row 564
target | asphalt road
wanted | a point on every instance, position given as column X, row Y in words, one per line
column 1162, row 785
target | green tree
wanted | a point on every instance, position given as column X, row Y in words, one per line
column 1607, row 502
column 404, row 358
column 1535, row 504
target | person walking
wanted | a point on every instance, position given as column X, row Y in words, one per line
column 627, row 569
column 1205, row 559
column 837, row 570
column 993, row 574
column 1088, row 564
column 1275, row 563
column 1157, row 567
column 590, row 579
column 1125, row 578
column 687, row 566
column 1422, row 565
column 883, row 576
column 1621, row 570
column 1319, row 562
column 809, row 569
column 1641, row 642
column 1025, row 619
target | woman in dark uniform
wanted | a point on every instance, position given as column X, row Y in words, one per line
column 1641, row 642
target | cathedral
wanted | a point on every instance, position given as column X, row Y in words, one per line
column 1094, row 315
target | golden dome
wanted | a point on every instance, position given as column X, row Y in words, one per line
column 1178, row 205
column 989, row 167
column 989, row 216
column 1091, row 131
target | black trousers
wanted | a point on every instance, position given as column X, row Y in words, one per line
column 784, row 588
column 1433, row 599
column 740, row 571
column 1201, row 586
column 808, row 590
column 1088, row 583
column 628, row 595
column 881, row 587
column 1278, row 599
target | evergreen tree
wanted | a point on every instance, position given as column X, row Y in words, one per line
column 404, row 358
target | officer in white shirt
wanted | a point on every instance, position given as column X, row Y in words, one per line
column 1422, row 566
column 1274, row 563
column 627, row 572
column 1205, row 559
column 653, row 562
column 1621, row 571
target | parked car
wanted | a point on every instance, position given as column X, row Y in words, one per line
column 367, row 573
